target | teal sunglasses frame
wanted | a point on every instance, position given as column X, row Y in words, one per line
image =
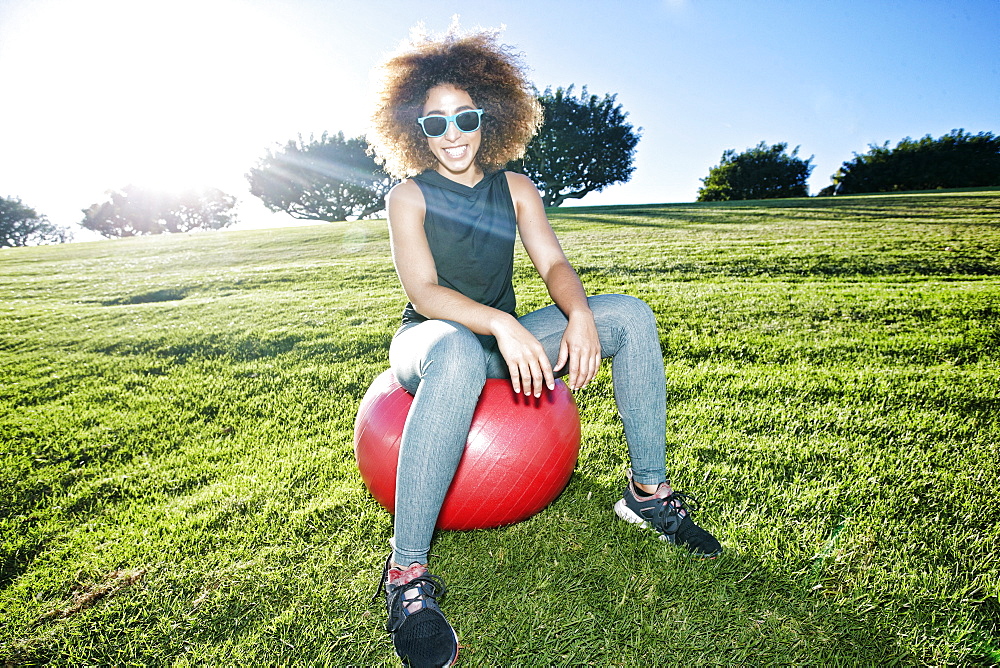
column 451, row 119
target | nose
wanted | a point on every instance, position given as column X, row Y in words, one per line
column 452, row 133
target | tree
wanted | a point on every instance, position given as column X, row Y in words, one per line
column 329, row 179
column 762, row 172
column 955, row 160
column 21, row 225
column 584, row 145
column 134, row 211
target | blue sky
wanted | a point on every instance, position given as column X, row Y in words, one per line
column 102, row 93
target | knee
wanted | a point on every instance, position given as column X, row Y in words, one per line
column 625, row 310
column 456, row 354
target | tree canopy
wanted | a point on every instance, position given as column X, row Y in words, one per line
column 585, row 144
column 133, row 211
column 955, row 160
column 762, row 172
column 21, row 225
column 330, row 178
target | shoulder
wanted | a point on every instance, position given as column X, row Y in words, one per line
column 520, row 183
column 405, row 194
column 405, row 207
column 522, row 189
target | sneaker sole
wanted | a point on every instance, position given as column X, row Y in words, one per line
column 624, row 512
column 454, row 657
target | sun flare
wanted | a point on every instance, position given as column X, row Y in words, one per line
column 165, row 95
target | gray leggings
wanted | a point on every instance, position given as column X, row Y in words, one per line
column 444, row 365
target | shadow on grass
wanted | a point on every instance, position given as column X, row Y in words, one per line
column 571, row 586
column 811, row 266
column 663, row 219
column 154, row 296
column 986, row 638
column 243, row 349
column 17, row 561
column 596, row 589
column 923, row 210
column 249, row 347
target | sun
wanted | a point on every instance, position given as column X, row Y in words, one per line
column 167, row 95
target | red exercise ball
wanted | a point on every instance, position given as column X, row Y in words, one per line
column 518, row 458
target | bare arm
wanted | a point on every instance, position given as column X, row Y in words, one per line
column 580, row 346
column 526, row 360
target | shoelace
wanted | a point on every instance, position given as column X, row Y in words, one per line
column 426, row 586
column 383, row 580
column 677, row 504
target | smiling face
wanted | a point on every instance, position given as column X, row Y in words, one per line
column 455, row 151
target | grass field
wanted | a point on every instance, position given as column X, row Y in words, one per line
column 177, row 479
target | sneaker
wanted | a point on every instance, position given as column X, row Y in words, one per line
column 669, row 514
column 421, row 635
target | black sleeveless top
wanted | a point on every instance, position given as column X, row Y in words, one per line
column 471, row 235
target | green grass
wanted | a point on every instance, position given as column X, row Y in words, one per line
column 177, row 480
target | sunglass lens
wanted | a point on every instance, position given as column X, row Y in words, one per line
column 467, row 121
column 435, row 126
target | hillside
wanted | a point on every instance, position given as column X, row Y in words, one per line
column 177, row 480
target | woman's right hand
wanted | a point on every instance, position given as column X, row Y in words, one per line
column 529, row 366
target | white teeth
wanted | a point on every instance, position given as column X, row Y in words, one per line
column 455, row 151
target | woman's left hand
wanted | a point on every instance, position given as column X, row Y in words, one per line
column 581, row 348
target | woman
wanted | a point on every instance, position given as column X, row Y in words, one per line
column 450, row 114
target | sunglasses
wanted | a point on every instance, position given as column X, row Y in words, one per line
column 436, row 125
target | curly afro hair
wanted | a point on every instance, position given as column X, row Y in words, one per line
column 489, row 72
